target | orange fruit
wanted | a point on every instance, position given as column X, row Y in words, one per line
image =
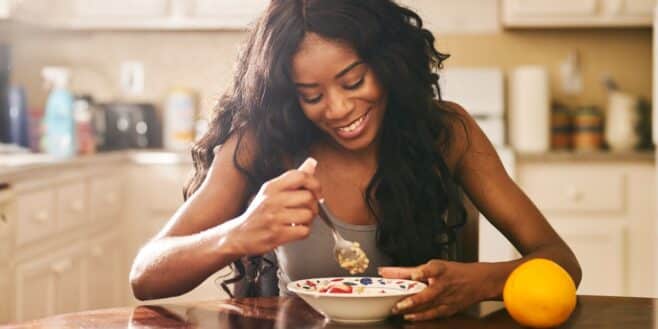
column 540, row 294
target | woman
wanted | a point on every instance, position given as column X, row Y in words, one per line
column 350, row 83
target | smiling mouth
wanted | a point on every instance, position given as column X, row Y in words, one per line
column 355, row 124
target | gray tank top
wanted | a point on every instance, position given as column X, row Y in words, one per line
column 313, row 257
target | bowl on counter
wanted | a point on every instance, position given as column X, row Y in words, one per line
column 354, row 299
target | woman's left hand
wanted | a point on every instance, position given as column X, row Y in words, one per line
column 451, row 288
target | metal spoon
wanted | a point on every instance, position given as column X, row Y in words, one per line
column 353, row 257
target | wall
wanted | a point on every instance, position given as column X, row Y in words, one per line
column 203, row 60
column 199, row 60
column 625, row 54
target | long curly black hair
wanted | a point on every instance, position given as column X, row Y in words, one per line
column 417, row 202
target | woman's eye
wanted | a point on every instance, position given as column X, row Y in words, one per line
column 356, row 84
column 313, row 100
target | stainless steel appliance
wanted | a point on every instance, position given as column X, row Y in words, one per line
column 128, row 125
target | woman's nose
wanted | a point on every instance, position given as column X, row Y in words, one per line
column 340, row 106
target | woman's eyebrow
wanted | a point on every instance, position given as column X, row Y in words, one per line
column 340, row 74
column 347, row 69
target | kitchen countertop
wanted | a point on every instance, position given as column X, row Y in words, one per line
column 598, row 312
column 21, row 165
column 583, row 156
column 18, row 165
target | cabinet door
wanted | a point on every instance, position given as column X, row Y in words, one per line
column 5, row 9
column 7, row 220
column 581, row 13
column 4, row 286
column 36, row 215
column 35, row 291
column 68, row 277
column 457, row 16
column 120, row 8
column 105, row 198
column 630, row 8
column 229, row 12
column 600, row 249
column 551, row 8
column 71, row 205
column 50, row 285
column 106, row 279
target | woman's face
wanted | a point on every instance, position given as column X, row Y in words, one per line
column 338, row 92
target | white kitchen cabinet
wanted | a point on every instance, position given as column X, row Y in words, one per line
column 457, row 16
column 105, row 278
column 606, row 214
column 227, row 14
column 140, row 15
column 7, row 217
column 600, row 248
column 120, row 9
column 5, row 8
column 50, row 285
column 581, row 13
column 59, row 260
column 72, row 231
column 154, row 194
column 72, row 205
column 36, row 215
column 5, row 278
column 106, row 189
column 90, row 14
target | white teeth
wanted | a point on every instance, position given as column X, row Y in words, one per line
column 353, row 126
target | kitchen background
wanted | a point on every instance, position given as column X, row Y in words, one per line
column 553, row 71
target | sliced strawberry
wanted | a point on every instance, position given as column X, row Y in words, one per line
column 339, row 289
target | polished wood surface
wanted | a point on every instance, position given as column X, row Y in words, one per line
column 280, row 313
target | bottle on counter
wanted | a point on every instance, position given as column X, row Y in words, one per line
column 19, row 133
column 621, row 121
column 561, row 128
column 58, row 122
column 180, row 116
column 587, row 129
column 84, row 124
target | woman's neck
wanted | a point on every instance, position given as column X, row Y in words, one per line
column 329, row 149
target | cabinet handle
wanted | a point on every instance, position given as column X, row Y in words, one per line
column 62, row 266
column 97, row 251
column 77, row 206
column 41, row 217
column 3, row 217
column 574, row 194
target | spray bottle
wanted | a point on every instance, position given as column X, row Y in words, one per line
column 58, row 121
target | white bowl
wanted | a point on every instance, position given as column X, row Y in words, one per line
column 370, row 300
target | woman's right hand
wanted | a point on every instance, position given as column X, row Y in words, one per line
column 281, row 212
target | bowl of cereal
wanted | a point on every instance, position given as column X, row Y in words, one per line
column 354, row 299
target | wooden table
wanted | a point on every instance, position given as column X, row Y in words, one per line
column 280, row 313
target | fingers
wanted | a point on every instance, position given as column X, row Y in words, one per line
column 391, row 272
column 430, row 269
column 420, row 300
column 308, row 166
column 438, row 311
column 296, row 216
column 294, row 180
column 296, row 232
column 297, row 199
column 423, row 272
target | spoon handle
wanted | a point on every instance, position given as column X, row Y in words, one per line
column 326, row 217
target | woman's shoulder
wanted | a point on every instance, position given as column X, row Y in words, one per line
column 241, row 145
column 468, row 145
column 457, row 138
